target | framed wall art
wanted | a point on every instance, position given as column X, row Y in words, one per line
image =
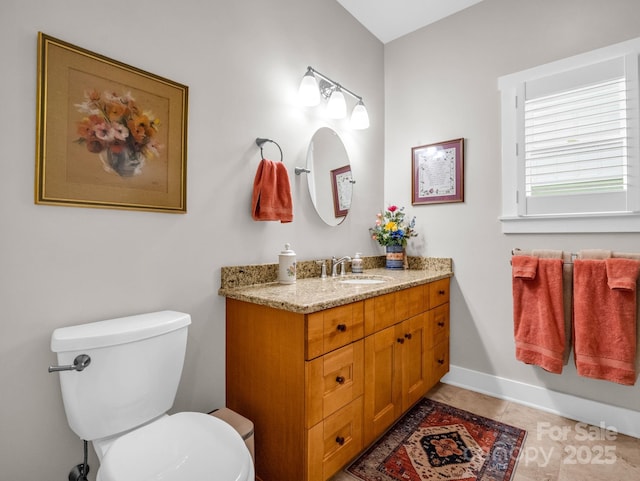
column 342, row 187
column 108, row 135
column 437, row 174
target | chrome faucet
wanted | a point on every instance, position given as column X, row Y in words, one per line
column 334, row 265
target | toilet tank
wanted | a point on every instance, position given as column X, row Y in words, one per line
column 136, row 364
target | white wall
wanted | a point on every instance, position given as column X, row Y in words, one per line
column 61, row 266
column 441, row 84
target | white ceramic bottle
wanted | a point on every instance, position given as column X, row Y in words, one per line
column 287, row 270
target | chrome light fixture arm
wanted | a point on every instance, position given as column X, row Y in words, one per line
column 329, row 85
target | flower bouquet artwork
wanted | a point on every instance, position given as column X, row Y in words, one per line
column 392, row 230
column 108, row 135
column 118, row 130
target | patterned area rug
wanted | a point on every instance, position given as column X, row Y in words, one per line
column 434, row 441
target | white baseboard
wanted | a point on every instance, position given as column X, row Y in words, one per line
column 625, row 421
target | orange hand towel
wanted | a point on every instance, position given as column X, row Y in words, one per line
column 605, row 319
column 538, row 312
column 272, row 193
column 622, row 273
column 525, row 267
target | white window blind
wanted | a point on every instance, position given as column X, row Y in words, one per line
column 575, row 137
column 576, row 141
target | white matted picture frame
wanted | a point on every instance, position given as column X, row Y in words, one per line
column 437, row 174
column 342, row 188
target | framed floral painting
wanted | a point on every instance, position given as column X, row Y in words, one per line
column 108, row 135
column 437, row 174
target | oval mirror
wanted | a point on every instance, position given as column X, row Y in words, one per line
column 330, row 180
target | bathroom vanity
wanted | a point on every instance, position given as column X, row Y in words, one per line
column 323, row 367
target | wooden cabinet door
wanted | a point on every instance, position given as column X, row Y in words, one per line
column 415, row 359
column 382, row 391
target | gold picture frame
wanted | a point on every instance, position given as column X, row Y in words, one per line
column 108, row 135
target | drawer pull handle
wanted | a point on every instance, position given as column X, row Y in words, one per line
column 340, row 440
column 441, row 292
column 342, row 327
column 408, row 335
column 441, row 324
column 340, row 380
column 400, row 340
column 441, row 361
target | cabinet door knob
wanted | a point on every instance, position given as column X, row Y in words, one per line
column 441, row 361
column 408, row 335
column 342, row 327
column 400, row 340
column 340, row 380
column 441, row 292
column 340, row 440
column 441, row 324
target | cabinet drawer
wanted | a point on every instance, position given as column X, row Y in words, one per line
column 333, row 328
column 438, row 293
column 333, row 381
column 439, row 325
column 440, row 360
column 333, row 442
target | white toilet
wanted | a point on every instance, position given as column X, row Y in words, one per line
column 120, row 399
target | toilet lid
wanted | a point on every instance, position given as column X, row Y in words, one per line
column 182, row 446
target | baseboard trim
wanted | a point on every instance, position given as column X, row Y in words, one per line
column 625, row 421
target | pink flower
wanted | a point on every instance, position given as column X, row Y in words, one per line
column 392, row 208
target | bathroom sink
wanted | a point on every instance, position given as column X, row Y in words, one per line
column 364, row 280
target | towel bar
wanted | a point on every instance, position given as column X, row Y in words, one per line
column 574, row 256
column 260, row 142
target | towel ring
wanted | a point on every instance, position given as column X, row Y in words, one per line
column 260, row 142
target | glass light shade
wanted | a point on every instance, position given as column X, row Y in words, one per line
column 359, row 117
column 337, row 106
column 309, row 93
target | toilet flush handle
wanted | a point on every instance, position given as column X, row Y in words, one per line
column 79, row 363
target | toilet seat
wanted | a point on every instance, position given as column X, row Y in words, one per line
column 182, row 446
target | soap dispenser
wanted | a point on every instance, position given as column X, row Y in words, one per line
column 287, row 270
column 356, row 264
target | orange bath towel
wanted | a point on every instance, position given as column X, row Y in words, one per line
column 272, row 193
column 538, row 312
column 605, row 318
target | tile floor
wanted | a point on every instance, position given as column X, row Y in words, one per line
column 556, row 448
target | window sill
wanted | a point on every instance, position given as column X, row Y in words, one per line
column 592, row 223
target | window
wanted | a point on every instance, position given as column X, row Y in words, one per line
column 570, row 144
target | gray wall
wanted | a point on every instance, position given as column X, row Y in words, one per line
column 441, row 84
column 59, row 266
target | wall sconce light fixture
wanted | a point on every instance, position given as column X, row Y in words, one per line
column 311, row 91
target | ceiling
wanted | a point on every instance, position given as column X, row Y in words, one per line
column 390, row 19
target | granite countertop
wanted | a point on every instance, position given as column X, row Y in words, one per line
column 313, row 294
